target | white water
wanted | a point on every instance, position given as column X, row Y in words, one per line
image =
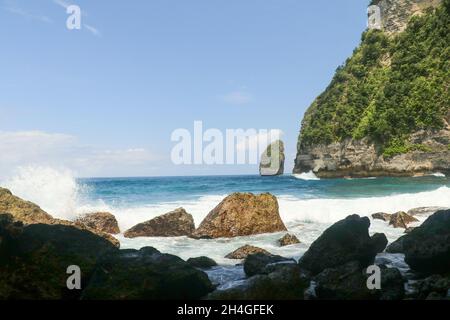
column 439, row 175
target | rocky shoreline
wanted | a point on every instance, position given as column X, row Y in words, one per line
column 36, row 250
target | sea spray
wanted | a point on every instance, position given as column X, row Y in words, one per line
column 293, row 210
column 54, row 190
column 306, row 176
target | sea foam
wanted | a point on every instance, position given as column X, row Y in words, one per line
column 55, row 191
column 58, row 193
column 332, row 210
column 306, row 176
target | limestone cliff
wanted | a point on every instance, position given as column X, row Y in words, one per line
column 395, row 14
column 386, row 112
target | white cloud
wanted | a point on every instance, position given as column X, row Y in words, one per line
column 238, row 98
column 25, row 148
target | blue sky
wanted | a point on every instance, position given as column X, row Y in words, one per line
column 104, row 100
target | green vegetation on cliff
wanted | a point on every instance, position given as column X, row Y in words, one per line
column 389, row 88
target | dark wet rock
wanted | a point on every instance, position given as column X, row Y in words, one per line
column 427, row 248
column 34, row 258
column 242, row 214
column 345, row 241
column 379, row 242
column 177, row 223
column 345, row 282
column 287, row 240
column 435, row 285
column 396, row 246
column 286, row 283
column 401, row 220
column 382, row 216
column 100, row 221
column 30, row 213
column 202, row 262
column 104, row 235
column 256, row 263
column 245, row 251
column 146, row 274
column 392, row 284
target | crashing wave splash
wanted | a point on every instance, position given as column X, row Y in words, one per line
column 306, row 176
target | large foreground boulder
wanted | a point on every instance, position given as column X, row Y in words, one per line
column 242, row 214
column 100, row 221
column 284, row 283
column 146, row 274
column 345, row 241
column 427, row 248
column 34, row 258
column 177, row 223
